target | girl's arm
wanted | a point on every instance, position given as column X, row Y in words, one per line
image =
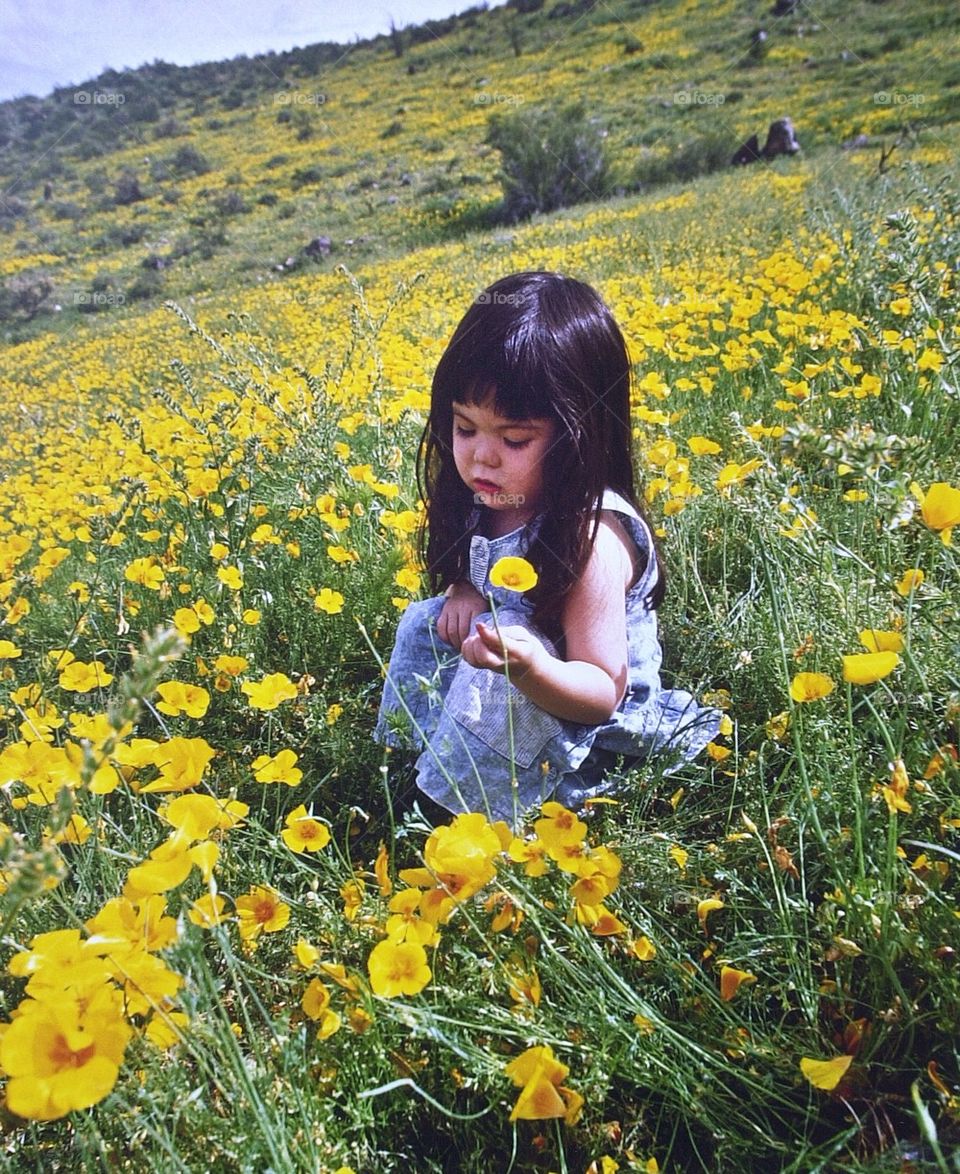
column 461, row 607
column 588, row 686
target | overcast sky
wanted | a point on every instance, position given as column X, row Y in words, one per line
column 48, row 43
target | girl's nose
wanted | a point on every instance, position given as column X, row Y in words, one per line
column 486, row 453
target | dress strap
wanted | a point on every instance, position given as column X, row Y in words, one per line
column 612, row 501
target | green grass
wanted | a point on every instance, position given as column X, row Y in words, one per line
column 819, row 905
column 842, row 909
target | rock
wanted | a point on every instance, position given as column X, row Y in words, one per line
column 319, row 247
column 781, row 139
column 748, row 152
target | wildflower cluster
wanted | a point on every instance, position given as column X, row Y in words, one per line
column 471, row 862
column 778, row 918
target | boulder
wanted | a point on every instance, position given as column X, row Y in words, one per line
column 748, row 152
column 318, row 248
column 781, row 139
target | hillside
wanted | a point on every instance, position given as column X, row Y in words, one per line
column 230, row 940
column 169, row 181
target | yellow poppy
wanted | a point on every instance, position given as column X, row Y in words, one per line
column 909, row 582
column 268, row 692
column 398, row 968
column 941, row 508
column 878, row 640
column 329, row 601
column 515, row 574
column 811, row 687
column 731, row 980
column 864, row 668
column 303, row 833
column 825, row 1074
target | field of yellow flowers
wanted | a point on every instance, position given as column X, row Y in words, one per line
column 222, row 948
column 227, row 945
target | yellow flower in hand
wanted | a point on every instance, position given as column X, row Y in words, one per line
column 516, row 574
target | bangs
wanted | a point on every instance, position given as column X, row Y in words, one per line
column 511, row 398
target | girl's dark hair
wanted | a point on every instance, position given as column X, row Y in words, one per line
column 548, row 347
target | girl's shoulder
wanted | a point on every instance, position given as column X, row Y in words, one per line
column 625, row 518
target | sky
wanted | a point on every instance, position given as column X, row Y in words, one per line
column 48, row 43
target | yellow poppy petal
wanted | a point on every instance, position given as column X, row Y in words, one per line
column 825, row 1074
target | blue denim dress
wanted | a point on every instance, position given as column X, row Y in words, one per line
column 478, row 755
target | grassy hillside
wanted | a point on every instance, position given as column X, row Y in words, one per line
column 168, row 181
column 222, row 949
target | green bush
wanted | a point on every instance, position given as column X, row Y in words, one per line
column 549, row 158
column 699, row 156
column 187, row 160
column 22, row 296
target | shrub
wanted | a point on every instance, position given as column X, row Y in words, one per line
column 97, row 181
column 170, row 128
column 11, row 208
column 305, row 176
column 127, row 190
column 188, row 160
column 229, row 202
column 146, row 286
column 124, row 234
column 23, row 296
column 549, row 158
column 699, row 156
column 68, row 210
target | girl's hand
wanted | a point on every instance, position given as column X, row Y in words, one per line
column 461, row 607
column 514, row 646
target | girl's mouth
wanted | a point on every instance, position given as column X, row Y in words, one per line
column 486, row 487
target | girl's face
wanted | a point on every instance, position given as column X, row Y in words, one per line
column 501, row 461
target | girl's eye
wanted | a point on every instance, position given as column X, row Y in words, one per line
column 459, row 430
column 516, row 443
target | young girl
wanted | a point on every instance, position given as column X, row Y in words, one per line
column 526, row 452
